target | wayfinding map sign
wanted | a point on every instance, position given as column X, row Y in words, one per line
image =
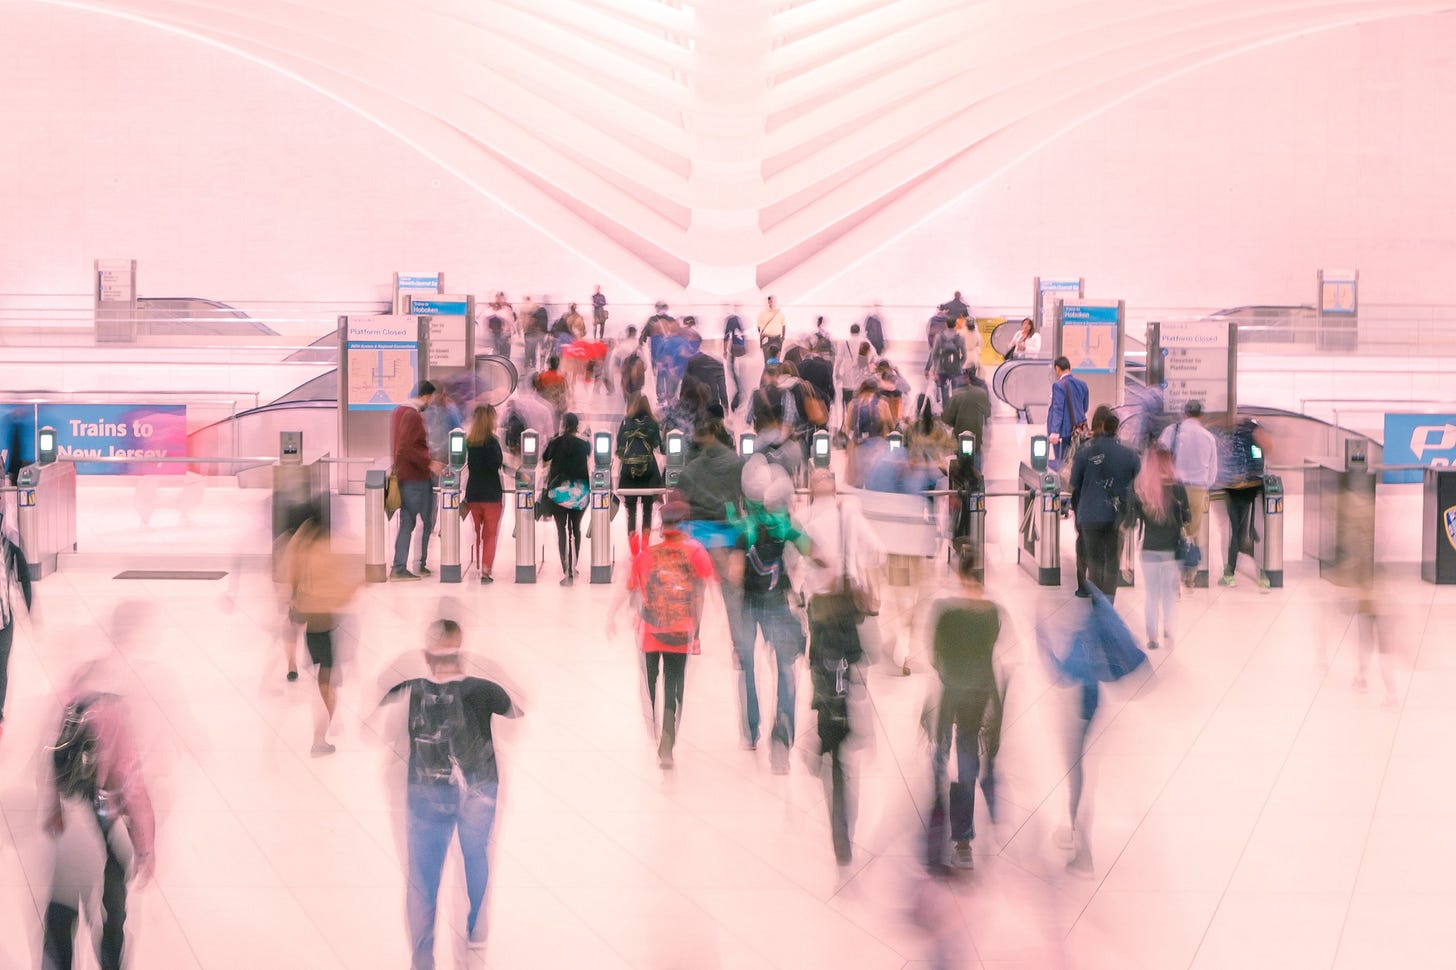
column 1195, row 355
column 382, row 361
column 1090, row 337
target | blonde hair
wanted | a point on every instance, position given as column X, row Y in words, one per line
column 482, row 425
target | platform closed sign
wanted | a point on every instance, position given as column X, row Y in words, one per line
column 124, row 434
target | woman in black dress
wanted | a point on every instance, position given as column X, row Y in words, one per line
column 568, row 486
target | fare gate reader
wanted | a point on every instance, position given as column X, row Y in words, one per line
column 601, row 508
column 969, row 528
column 1269, row 548
column 676, row 456
column 1040, row 549
column 45, row 446
column 895, row 440
column 526, row 565
column 747, row 442
column 450, row 482
column 819, row 449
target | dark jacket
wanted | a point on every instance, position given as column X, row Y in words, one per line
column 708, row 371
column 1102, row 477
column 712, row 482
column 819, row 373
column 483, row 468
column 968, row 410
column 639, row 438
column 1161, row 535
column 568, row 456
column 1070, row 398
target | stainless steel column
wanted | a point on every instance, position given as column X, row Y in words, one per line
column 449, row 527
column 374, row 519
column 1271, row 543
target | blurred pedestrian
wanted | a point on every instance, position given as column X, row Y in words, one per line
column 14, row 572
column 1241, row 473
column 839, row 587
column 712, row 486
column 99, row 812
column 321, row 584
column 599, row 313
column 454, row 783
column 484, row 497
column 1160, row 506
column 668, row 581
column 1195, row 465
column 766, row 534
column 967, row 717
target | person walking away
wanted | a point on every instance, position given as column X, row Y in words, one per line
column 955, row 308
column 1067, row 415
column 735, row 346
column 842, row 551
column 94, row 795
column 500, row 326
column 875, row 330
column 453, row 779
column 965, row 631
column 567, row 485
column 947, row 360
column 14, row 572
column 817, row 370
column 599, row 313
column 552, row 384
column 866, row 419
column 707, row 371
column 854, row 363
column 322, row 584
column 1195, row 466
column 414, row 469
column 765, row 535
column 712, row 486
column 1242, row 477
column 1102, row 477
column 1160, row 504
column 772, row 329
column 773, row 441
column 483, row 493
column 669, row 581
column 639, row 440
column 968, row 409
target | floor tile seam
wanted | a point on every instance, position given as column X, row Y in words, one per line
column 1264, row 806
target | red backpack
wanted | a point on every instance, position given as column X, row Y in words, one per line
column 670, row 595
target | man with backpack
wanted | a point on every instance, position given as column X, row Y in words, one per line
column 874, row 330
column 1067, row 415
column 947, row 360
column 968, row 410
column 95, row 787
column 670, row 581
column 454, row 783
column 765, row 534
column 1102, row 476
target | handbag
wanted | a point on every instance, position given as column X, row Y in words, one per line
column 392, row 498
column 545, row 507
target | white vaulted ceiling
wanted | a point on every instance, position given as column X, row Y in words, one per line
column 727, row 145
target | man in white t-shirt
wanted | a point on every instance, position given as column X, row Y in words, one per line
column 771, row 329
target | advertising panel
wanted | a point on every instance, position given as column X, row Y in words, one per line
column 1428, row 440
column 137, row 431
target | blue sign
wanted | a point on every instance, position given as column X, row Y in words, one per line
column 1089, row 337
column 131, row 431
column 436, row 308
column 419, row 282
column 1418, row 439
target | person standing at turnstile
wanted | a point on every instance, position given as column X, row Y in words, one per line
column 14, row 571
column 1195, row 465
column 1160, row 505
column 483, row 492
column 415, row 470
column 568, row 485
column 1241, row 473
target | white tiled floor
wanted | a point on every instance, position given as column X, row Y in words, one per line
column 1250, row 809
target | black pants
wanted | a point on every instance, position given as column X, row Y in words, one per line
column 1100, row 550
column 647, row 502
column 1240, row 509
column 674, row 667
column 62, row 914
column 833, row 648
column 7, row 637
column 568, row 537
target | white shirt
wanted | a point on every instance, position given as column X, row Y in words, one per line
column 825, row 564
column 1195, row 460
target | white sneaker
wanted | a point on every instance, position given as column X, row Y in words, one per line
column 476, row 939
column 960, row 856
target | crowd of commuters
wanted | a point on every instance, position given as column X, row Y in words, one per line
column 770, row 537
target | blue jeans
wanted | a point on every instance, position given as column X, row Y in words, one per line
column 959, row 725
column 438, row 813
column 416, row 501
column 783, row 632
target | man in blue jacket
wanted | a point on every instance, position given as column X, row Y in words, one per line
column 1070, row 398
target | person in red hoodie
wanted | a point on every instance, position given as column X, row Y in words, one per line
column 410, row 449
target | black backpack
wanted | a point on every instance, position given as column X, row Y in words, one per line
column 437, row 720
column 763, row 570
column 74, row 755
column 637, row 458
column 495, row 324
column 875, row 333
